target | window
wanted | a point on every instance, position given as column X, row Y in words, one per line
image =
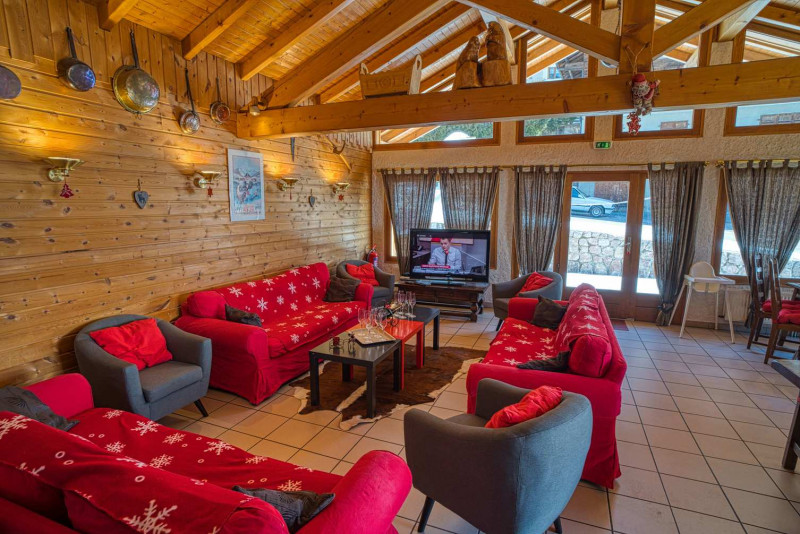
column 446, row 135
column 646, row 281
column 458, row 132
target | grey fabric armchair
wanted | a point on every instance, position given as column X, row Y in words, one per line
column 506, row 480
column 383, row 294
column 154, row 391
column 505, row 291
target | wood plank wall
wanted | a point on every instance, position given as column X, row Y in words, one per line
column 64, row 263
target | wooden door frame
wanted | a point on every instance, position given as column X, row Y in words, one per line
column 625, row 302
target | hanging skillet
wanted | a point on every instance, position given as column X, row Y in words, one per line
column 190, row 120
column 220, row 112
column 74, row 72
column 10, row 86
column 135, row 90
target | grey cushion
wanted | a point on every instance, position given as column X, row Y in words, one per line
column 165, row 378
column 468, row 419
column 380, row 291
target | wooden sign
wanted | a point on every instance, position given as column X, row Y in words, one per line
column 391, row 82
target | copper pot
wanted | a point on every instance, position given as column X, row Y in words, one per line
column 135, row 90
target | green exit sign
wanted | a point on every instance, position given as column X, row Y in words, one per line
column 604, row 145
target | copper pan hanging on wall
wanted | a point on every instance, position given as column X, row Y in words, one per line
column 135, row 90
column 220, row 112
column 73, row 72
column 190, row 120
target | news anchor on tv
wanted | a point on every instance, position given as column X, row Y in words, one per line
column 446, row 255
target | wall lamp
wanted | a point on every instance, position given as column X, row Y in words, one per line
column 287, row 183
column 62, row 167
column 207, row 180
column 340, row 188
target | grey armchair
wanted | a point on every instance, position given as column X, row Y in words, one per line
column 383, row 294
column 154, row 391
column 501, row 480
column 505, row 291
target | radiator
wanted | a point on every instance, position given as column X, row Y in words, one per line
column 738, row 302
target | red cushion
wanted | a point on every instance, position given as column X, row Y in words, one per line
column 365, row 273
column 537, row 402
column 590, row 356
column 138, row 342
column 767, row 306
column 209, row 304
column 535, row 281
column 789, row 316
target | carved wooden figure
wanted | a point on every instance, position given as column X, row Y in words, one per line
column 496, row 69
column 467, row 70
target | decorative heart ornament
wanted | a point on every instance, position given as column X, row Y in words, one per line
column 141, row 198
column 312, row 200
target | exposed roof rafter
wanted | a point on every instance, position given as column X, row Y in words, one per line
column 694, row 22
column 110, row 12
column 213, row 26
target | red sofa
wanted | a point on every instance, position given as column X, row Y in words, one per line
column 519, row 341
column 114, row 465
column 254, row 362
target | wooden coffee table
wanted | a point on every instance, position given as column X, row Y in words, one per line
column 790, row 369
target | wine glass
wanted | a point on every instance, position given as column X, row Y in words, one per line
column 411, row 299
column 383, row 318
column 363, row 316
column 401, row 300
column 369, row 318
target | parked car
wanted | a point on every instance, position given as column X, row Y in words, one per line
column 594, row 206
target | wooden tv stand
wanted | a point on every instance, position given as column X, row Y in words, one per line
column 457, row 295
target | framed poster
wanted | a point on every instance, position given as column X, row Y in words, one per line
column 246, row 185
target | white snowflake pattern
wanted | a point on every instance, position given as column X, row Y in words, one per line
column 161, row 461
column 511, row 349
column 152, row 520
column 308, row 299
column 294, row 271
column 315, row 282
column 335, row 320
column 262, row 304
column 511, row 361
column 524, row 342
column 280, row 300
column 584, row 308
column 256, row 460
column 136, row 463
column 172, row 439
column 590, row 327
column 112, row 414
column 295, row 338
column 218, row 447
column 235, row 291
column 293, row 306
column 348, row 309
column 143, row 427
column 251, row 284
column 268, row 281
column 292, row 288
column 15, row 423
column 291, row 485
column 519, row 326
column 303, row 468
column 299, row 325
column 117, row 447
column 34, row 471
column 318, row 316
column 541, row 356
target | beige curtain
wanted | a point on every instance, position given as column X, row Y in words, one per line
column 675, row 199
column 409, row 194
column 468, row 197
column 764, row 200
column 537, row 214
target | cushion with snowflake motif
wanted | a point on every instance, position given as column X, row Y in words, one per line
column 341, row 290
column 548, row 313
column 535, row 403
column 236, row 315
column 24, row 402
column 296, row 507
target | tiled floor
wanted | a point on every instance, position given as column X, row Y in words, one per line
column 701, row 437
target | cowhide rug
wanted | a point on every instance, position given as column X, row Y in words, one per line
column 441, row 368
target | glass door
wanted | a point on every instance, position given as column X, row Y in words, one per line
column 601, row 237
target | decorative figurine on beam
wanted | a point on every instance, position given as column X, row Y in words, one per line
column 496, row 68
column 467, row 71
column 642, row 94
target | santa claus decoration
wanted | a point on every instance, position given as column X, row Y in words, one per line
column 642, row 94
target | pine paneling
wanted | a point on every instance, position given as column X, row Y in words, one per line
column 66, row 262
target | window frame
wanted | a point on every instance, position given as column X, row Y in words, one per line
column 730, row 128
column 491, row 141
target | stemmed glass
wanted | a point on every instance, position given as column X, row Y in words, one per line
column 363, row 317
column 401, row 300
column 382, row 317
column 411, row 299
column 368, row 323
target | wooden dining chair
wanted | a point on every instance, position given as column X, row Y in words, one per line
column 758, row 295
column 785, row 318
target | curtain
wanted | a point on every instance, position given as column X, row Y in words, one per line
column 468, row 197
column 764, row 200
column 409, row 194
column 675, row 200
column 537, row 214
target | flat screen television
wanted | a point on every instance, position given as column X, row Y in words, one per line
column 450, row 254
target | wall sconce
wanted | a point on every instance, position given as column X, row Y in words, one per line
column 62, row 167
column 207, row 180
column 254, row 108
column 287, row 184
column 340, row 188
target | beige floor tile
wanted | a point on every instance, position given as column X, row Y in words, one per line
column 649, row 385
column 178, row 422
column 694, row 523
column 698, row 407
column 760, row 434
column 682, row 464
column 401, row 524
column 645, row 374
column 260, row 424
column 743, row 476
column 632, row 516
column 654, row 400
column 697, row 496
column 700, row 424
column 412, row 506
column 668, row 438
column 333, row 443
column 664, row 418
column 777, row 403
column 787, row 481
column 294, row 433
column 717, row 383
column 759, row 388
column 629, row 413
column 706, row 370
column 725, row 448
column 744, row 414
column 314, row 461
column 272, row 449
column 229, row 415
column 458, row 386
column 210, row 403
column 634, row 455
column 443, row 518
column 366, row 445
column 444, row 413
column 282, row 405
column 763, row 511
column 631, row 432
column 782, row 420
column 342, row 468
column 220, row 395
column 205, row 429
column 672, row 366
column 767, row 455
column 387, row 429
column 319, row 417
column 730, row 397
column 640, row 484
column 588, row 506
column 451, row 401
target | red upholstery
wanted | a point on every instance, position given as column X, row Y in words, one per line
column 367, row 498
column 535, row 403
column 789, row 316
column 254, row 362
column 767, row 306
column 138, row 342
column 67, row 395
column 535, row 281
column 365, row 273
column 602, row 462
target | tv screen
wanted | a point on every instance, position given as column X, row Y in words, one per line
column 459, row 254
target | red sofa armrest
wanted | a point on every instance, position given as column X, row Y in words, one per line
column 67, row 395
column 604, row 395
column 368, row 497
column 364, row 294
column 227, row 335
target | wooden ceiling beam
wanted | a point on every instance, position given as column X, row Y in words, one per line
column 110, row 12
column 559, row 26
column 214, row 25
column 346, row 51
column 271, row 49
column 772, row 81
column 636, row 43
column 694, row 22
column 435, row 23
column 731, row 26
column 780, row 14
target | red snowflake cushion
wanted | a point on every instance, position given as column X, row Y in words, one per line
column 315, row 321
column 535, row 281
column 104, row 490
column 365, row 273
column 535, row 403
column 138, row 342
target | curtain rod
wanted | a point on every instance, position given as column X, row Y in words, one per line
column 721, row 163
column 571, row 165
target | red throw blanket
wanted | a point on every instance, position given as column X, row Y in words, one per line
column 582, row 318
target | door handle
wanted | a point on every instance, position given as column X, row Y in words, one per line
column 628, row 245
